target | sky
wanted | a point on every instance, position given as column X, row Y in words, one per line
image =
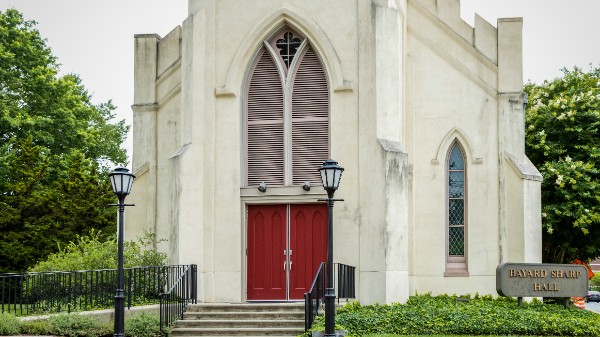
column 94, row 39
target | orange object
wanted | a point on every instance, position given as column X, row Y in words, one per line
column 590, row 272
column 579, row 302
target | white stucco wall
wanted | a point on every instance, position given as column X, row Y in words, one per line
column 406, row 78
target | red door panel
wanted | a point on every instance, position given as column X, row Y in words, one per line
column 266, row 244
column 308, row 242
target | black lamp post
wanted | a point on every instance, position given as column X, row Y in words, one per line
column 121, row 181
column 331, row 173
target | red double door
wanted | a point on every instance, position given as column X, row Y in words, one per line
column 286, row 245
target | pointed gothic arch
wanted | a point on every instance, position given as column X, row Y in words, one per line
column 467, row 145
column 297, row 20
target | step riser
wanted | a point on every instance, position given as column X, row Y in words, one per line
column 243, row 315
column 245, row 332
column 245, row 309
column 256, row 320
column 241, row 324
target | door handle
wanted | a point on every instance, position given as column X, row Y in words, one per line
column 284, row 263
column 290, row 265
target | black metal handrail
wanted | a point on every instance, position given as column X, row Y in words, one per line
column 181, row 291
column 314, row 297
column 82, row 290
column 345, row 281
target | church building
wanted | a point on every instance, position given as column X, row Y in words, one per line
column 236, row 109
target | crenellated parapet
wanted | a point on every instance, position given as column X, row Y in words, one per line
column 483, row 37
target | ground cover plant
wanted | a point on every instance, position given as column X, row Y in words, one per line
column 389, row 335
column 9, row 325
column 465, row 315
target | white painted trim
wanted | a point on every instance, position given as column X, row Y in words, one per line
column 141, row 170
column 525, row 169
column 467, row 145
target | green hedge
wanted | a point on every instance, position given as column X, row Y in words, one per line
column 143, row 325
column 466, row 315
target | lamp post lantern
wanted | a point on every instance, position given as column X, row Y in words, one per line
column 121, row 181
column 331, row 173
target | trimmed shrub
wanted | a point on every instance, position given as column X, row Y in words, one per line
column 9, row 324
column 465, row 315
column 78, row 325
column 143, row 325
column 37, row 327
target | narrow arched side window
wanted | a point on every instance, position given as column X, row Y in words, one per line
column 456, row 215
column 286, row 113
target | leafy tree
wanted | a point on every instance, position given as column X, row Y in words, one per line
column 595, row 281
column 56, row 112
column 563, row 141
column 55, row 150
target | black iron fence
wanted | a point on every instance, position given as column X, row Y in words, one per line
column 345, row 281
column 313, row 299
column 62, row 291
column 174, row 301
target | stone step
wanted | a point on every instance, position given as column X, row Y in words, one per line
column 241, row 323
column 246, row 307
column 241, row 319
column 222, row 315
column 237, row 332
column 294, row 335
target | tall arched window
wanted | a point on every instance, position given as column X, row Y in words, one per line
column 456, row 216
column 287, row 113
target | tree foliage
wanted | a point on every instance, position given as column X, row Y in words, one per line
column 55, row 150
column 92, row 252
column 563, row 141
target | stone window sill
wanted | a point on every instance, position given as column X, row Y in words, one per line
column 456, row 273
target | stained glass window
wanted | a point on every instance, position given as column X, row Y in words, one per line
column 456, row 201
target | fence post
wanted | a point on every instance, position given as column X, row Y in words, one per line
column 128, row 276
column 160, row 311
column 307, row 312
column 195, row 283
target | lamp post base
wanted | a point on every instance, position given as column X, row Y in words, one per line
column 330, row 312
column 119, row 314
